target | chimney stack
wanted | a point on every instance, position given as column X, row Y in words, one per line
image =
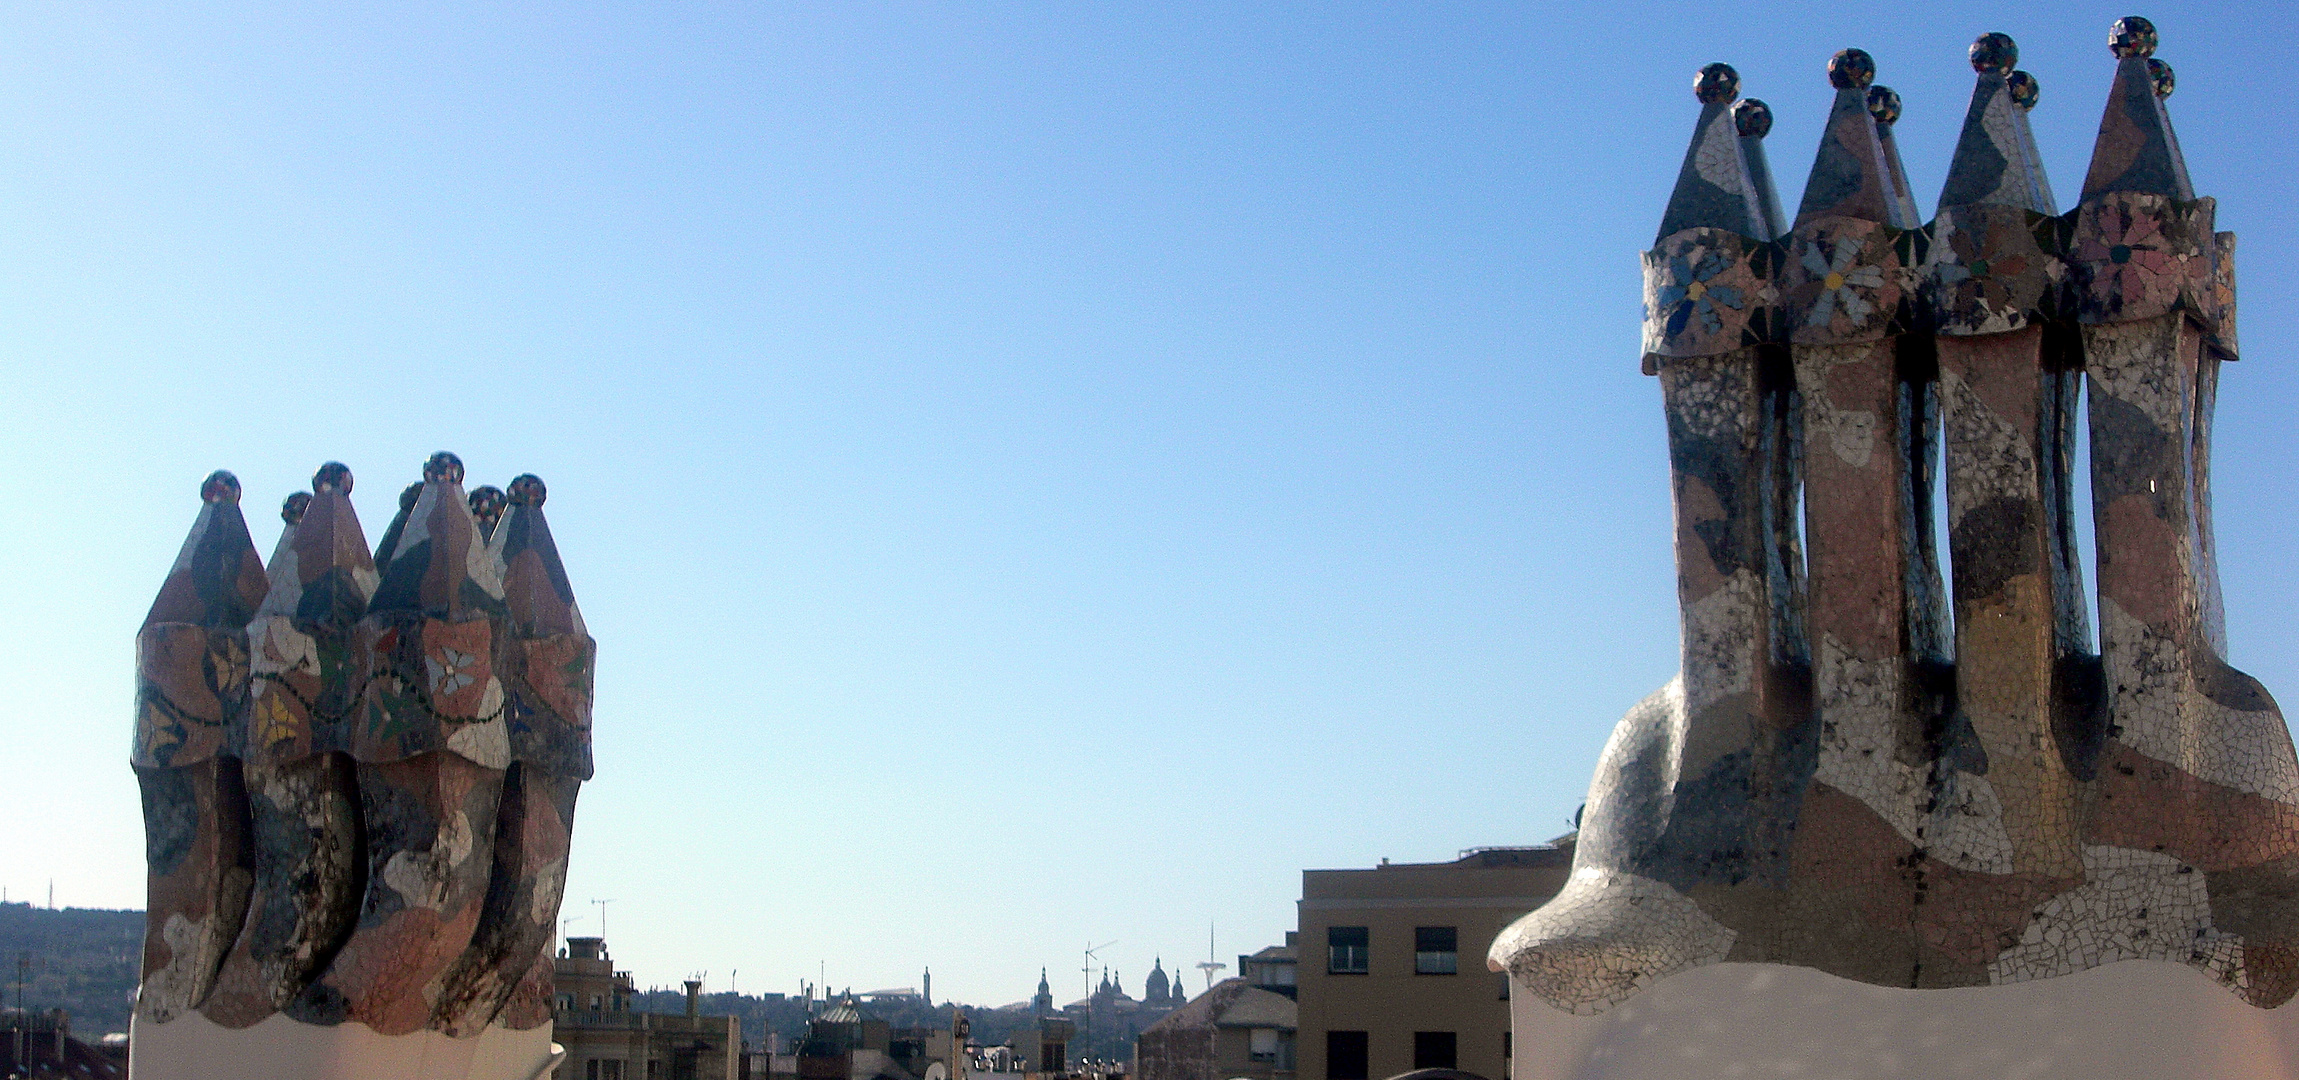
column 694, row 998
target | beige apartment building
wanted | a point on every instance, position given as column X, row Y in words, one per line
column 605, row 1040
column 1391, row 962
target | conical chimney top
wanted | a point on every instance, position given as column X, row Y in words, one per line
column 1714, row 188
column 551, row 655
column 321, row 578
column 1753, row 119
column 535, row 586
column 435, row 561
column 1996, row 162
column 191, row 653
column 1851, row 177
column 2137, row 150
column 321, row 575
column 217, row 581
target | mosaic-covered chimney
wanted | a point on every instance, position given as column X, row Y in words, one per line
column 1867, row 767
column 359, row 776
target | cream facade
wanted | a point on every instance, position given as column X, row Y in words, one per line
column 1391, row 962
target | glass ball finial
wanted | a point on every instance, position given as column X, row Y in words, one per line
column 1753, row 118
column 1851, row 69
column 443, row 468
column 220, row 487
column 1995, row 54
column 1716, row 84
column 2024, row 89
column 1884, row 105
column 2131, row 36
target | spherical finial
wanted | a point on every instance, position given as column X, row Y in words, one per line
column 1884, row 105
column 1716, row 84
column 334, row 476
column 1851, row 69
column 291, row 510
column 409, row 494
column 2024, row 89
column 220, row 487
column 1995, row 54
column 527, row 490
column 2160, row 74
column 487, row 503
column 1753, row 117
column 443, row 468
column 2131, row 36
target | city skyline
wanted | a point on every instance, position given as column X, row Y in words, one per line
column 1035, row 475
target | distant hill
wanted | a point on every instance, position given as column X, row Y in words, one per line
column 82, row 960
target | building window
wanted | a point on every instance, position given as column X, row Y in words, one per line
column 1345, row 1057
column 1436, row 951
column 1504, row 986
column 1508, row 1044
column 1434, row 1050
column 591, row 1069
column 1262, row 1044
column 1346, row 948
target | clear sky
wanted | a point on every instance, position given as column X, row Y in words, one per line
column 1038, row 474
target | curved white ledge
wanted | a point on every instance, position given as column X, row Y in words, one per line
column 192, row 1047
column 2134, row 1020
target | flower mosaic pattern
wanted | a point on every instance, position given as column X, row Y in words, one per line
column 1847, row 283
column 2133, row 259
column 1988, row 273
column 1705, row 293
column 1686, row 291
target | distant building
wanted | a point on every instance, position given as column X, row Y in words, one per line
column 40, row 1046
column 1275, row 968
column 847, row 1043
column 605, row 1040
column 1234, row 1030
column 1044, row 1048
column 1395, row 976
column 1109, row 1020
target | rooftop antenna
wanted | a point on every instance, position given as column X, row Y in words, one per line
column 1089, row 968
column 1210, row 965
column 602, row 906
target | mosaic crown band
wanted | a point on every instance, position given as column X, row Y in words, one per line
column 1842, row 776
column 359, row 772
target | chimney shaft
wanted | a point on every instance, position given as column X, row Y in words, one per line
column 694, row 998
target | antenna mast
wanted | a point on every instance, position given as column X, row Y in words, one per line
column 1089, row 968
column 1210, row 965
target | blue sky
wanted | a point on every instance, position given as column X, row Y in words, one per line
column 1037, row 473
